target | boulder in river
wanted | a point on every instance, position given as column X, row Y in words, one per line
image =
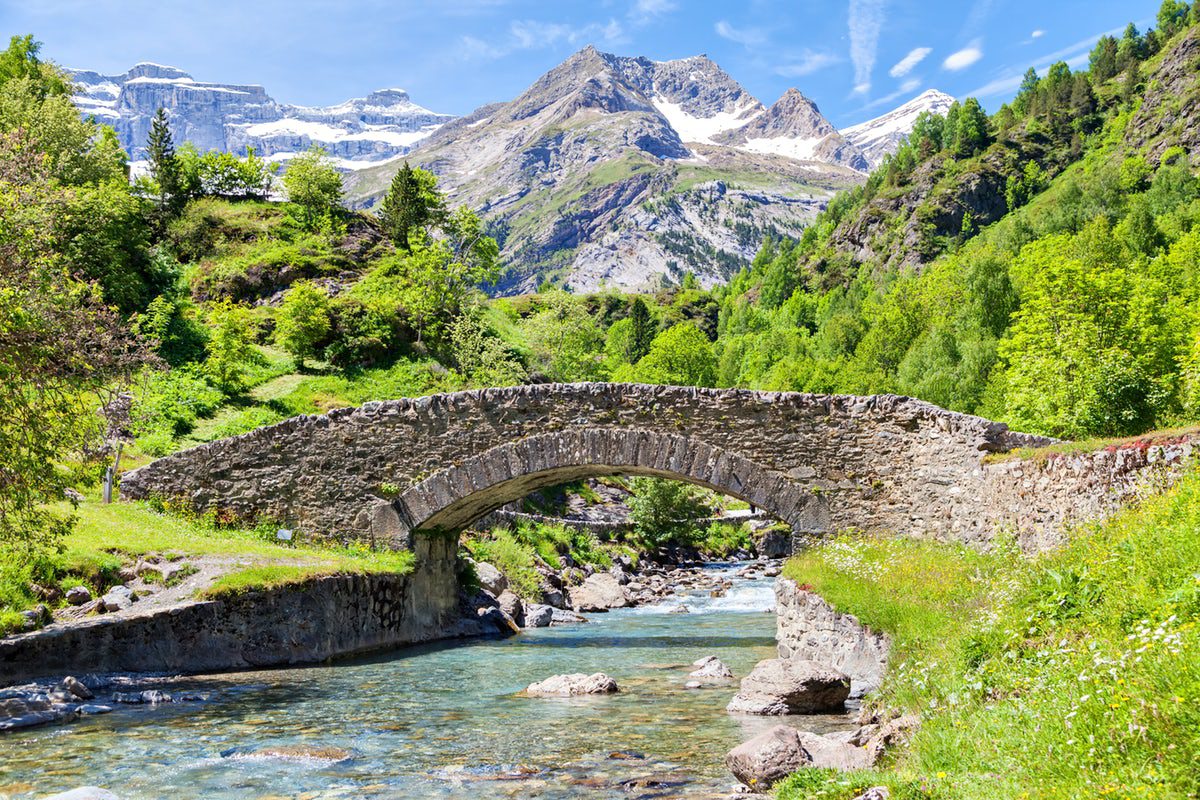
column 538, row 616
column 561, row 616
column 791, row 686
column 571, row 685
column 513, row 606
column 769, row 757
column 711, row 667
column 598, row 592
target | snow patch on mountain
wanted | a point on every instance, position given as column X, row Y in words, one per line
column 234, row 118
column 878, row 137
column 696, row 129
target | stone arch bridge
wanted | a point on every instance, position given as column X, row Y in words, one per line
column 388, row 469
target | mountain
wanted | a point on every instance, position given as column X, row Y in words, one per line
column 381, row 126
column 880, row 136
column 626, row 172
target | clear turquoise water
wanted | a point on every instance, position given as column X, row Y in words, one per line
column 440, row 721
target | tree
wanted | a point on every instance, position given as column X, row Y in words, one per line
column 971, row 130
column 665, row 511
column 1027, row 91
column 413, row 203
column 230, row 346
column 1172, row 16
column 681, row 356
column 564, row 337
column 482, row 357
column 62, row 349
column 164, row 167
column 21, row 60
column 302, row 324
column 642, row 330
column 313, row 183
column 1103, row 60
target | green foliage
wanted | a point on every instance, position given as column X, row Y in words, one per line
column 664, row 511
column 413, row 205
column 1088, row 652
column 564, row 337
column 313, row 184
column 680, row 355
column 302, row 323
column 217, row 174
column 230, row 348
column 516, row 559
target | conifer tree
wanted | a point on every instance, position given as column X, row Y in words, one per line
column 164, row 167
column 412, row 203
column 642, row 332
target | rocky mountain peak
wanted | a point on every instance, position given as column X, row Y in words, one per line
column 882, row 135
column 148, row 69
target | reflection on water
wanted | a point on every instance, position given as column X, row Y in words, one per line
column 440, row 721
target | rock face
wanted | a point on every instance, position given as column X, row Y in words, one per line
column 791, row 686
column 327, row 617
column 574, row 684
column 598, row 592
column 233, row 118
column 490, row 578
column 632, row 172
column 817, row 462
column 809, row 628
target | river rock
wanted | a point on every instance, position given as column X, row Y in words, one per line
column 78, row 595
column 491, row 578
column 598, row 592
column 513, row 606
column 538, row 616
column 561, row 616
column 774, row 544
column 769, row 757
column 574, row 684
column 77, row 688
column 711, row 667
column 679, row 609
column 84, row 793
column 791, row 686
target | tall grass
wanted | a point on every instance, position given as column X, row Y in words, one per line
column 1074, row 674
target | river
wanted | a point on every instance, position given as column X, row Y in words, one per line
column 440, row 721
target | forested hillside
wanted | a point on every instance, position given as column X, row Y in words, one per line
column 1038, row 266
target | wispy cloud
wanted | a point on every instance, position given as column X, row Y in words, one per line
column 808, row 62
column 531, row 34
column 865, row 22
column 961, row 59
column 750, row 37
column 1039, row 33
column 1075, row 55
column 906, row 64
column 644, row 12
column 908, row 87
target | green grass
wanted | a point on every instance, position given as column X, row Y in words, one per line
column 107, row 537
column 1041, row 454
column 1073, row 674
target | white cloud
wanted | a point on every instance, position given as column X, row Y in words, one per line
column 910, row 84
column 646, row 11
column 891, row 97
column 750, row 37
column 906, row 64
column 964, row 58
column 808, row 62
column 534, row 34
column 1039, row 33
column 865, row 23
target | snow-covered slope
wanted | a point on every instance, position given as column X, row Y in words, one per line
column 362, row 131
column 880, row 136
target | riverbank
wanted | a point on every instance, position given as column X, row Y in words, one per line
column 1071, row 674
column 443, row 720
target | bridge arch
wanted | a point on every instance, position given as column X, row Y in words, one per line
column 453, row 498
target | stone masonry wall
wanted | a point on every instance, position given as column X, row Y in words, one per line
column 879, row 463
column 807, row 627
column 307, row 622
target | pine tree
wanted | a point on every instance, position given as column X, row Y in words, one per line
column 642, row 333
column 412, row 203
column 1103, row 60
column 164, row 167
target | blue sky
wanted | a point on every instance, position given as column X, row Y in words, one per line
column 855, row 58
